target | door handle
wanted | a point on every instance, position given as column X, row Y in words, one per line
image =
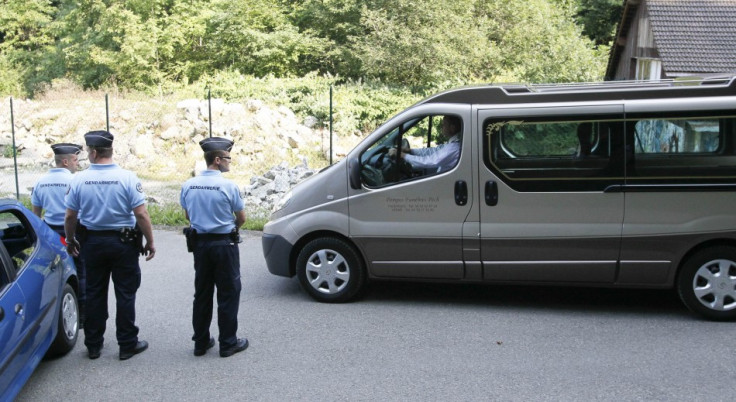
column 461, row 192
column 2, row 313
column 491, row 193
column 56, row 262
column 19, row 309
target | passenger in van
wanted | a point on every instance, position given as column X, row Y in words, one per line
column 437, row 159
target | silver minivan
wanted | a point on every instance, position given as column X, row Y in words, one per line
column 618, row 184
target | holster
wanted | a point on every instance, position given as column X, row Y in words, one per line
column 190, row 234
column 133, row 235
column 235, row 236
column 139, row 239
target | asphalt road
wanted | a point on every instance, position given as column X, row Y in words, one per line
column 403, row 342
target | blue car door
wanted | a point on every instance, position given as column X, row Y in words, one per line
column 30, row 299
column 12, row 323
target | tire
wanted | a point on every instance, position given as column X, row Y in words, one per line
column 707, row 283
column 330, row 270
column 68, row 325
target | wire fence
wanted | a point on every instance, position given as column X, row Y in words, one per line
column 13, row 150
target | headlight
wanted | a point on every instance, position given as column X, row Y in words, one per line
column 282, row 202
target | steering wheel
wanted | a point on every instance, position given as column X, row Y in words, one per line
column 395, row 168
column 380, row 157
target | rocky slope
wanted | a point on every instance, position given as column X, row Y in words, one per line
column 159, row 140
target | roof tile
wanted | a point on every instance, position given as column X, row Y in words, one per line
column 694, row 36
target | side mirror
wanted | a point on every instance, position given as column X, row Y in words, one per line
column 354, row 173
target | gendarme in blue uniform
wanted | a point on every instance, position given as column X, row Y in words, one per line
column 212, row 204
column 104, row 196
column 216, row 195
column 48, row 193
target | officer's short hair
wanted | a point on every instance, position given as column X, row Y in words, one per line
column 59, row 158
column 209, row 157
column 102, row 152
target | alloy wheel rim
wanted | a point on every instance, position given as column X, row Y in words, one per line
column 69, row 316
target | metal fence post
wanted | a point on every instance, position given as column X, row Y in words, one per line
column 209, row 108
column 107, row 114
column 15, row 150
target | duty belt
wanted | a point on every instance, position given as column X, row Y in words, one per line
column 55, row 227
column 213, row 236
column 104, row 233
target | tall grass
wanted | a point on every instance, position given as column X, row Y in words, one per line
column 173, row 215
column 167, row 215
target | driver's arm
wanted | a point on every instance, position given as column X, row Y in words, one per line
column 405, row 149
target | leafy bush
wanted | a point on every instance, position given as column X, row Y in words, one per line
column 357, row 106
column 11, row 80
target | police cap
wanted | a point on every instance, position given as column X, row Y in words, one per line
column 99, row 138
column 66, row 148
column 216, row 144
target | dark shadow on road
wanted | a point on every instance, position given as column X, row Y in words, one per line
column 571, row 299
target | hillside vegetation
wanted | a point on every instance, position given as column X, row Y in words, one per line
column 158, row 46
column 379, row 56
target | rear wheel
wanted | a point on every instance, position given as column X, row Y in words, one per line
column 330, row 270
column 66, row 336
column 707, row 283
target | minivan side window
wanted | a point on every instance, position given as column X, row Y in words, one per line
column 577, row 154
column 418, row 147
column 680, row 149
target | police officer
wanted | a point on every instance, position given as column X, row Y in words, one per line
column 48, row 194
column 110, row 202
column 215, row 210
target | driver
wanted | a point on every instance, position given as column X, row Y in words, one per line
column 438, row 159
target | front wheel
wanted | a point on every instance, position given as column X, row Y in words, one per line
column 66, row 336
column 330, row 270
column 707, row 283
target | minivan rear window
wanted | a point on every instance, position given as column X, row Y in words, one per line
column 658, row 136
column 682, row 150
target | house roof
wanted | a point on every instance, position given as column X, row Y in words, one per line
column 692, row 36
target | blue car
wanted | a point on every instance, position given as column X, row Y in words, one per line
column 39, row 314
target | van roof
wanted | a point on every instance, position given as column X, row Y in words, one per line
column 575, row 92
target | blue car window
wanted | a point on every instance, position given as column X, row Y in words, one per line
column 18, row 240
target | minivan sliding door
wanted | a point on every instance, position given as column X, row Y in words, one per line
column 551, row 209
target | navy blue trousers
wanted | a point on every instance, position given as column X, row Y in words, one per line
column 216, row 264
column 105, row 257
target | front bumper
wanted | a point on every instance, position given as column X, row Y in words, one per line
column 277, row 252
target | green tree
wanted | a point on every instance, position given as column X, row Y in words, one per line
column 424, row 42
column 434, row 42
column 26, row 43
column 256, row 37
column 599, row 19
column 105, row 42
column 336, row 22
column 23, row 24
column 540, row 42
